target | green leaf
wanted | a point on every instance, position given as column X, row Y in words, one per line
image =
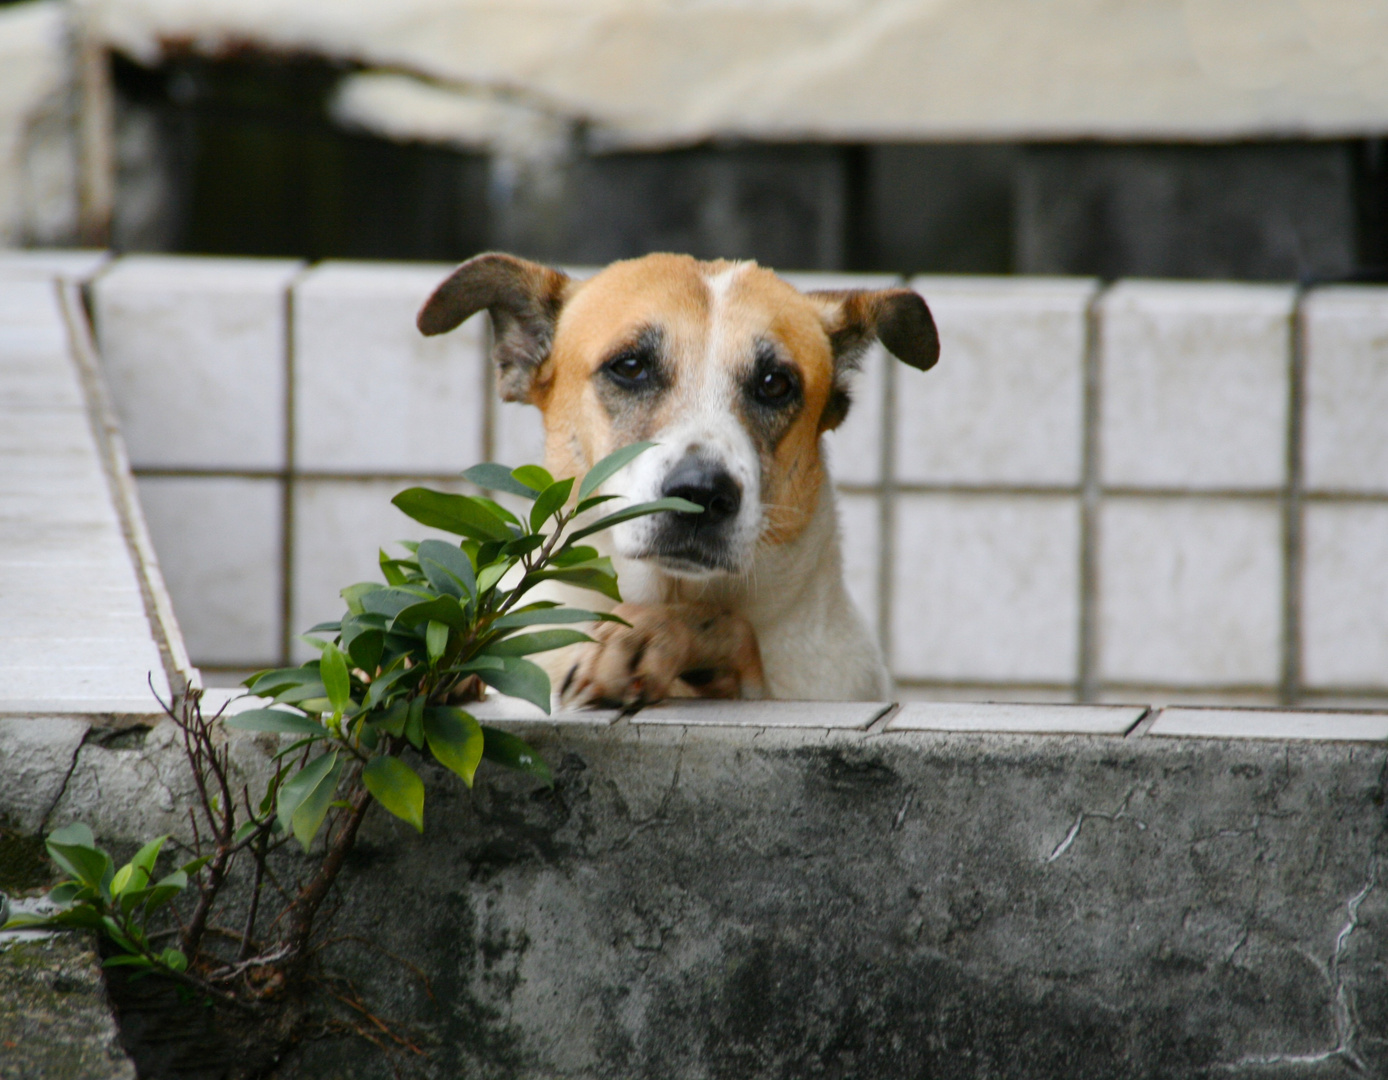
column 304, row 797
column 336, row 681
column 535, row 477
column 122, row 879
column 414, row 724
column 89, row 865
column 499, row 510
column 522, row 679
column 266, row 683
column 392, row 720
column 572, row 556
column 455, row 739
column 192, row 866
column 550, row 502
column 463, row 515
column 550, row 614
column 587, row 576
column 678, row 506
column 490, row 575
column 174, row 960
column 493, row 477
column 385, row 684
column 390, row 569
column 164, row 890
column 540, row 641
column 513, row 752
column 436, row 640
column 146, row 857
column 457, row 567
column 355, row 595
column 127, row 960
column 444, row 609
column 614, row 461
column 593, row 500
column 113, row 930
column 277, row 721
column 524, row 545
column 365, row 646
column 390, row 602
column 397, row 787
column 324, row 627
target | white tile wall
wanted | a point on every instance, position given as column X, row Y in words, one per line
column 339, row 526
column 518, row 434
column 1194, row 384
column 855, row 447
column 371, row 392
column 1189, row 592
column 1345, row 431
column 859, row 533
column 218, row 540
column 1005, row 403
column 194, row 353
column 987, row 588
column 1016, row 719
column 1345, row 599
column 66, row 264
column 1259, row 724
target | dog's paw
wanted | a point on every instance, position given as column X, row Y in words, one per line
column 668, row 650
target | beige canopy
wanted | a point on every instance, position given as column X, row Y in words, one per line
column 666, row 72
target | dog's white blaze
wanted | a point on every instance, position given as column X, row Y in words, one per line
column 708, row 425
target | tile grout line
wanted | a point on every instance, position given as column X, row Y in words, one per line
column 289, row 476
column 1086, row 684
column 886, row 516
column 489, row 396
column 1292, row 506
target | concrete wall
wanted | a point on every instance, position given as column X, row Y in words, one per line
column 1153, row 491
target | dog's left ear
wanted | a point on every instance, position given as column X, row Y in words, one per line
column 524, row 300
column 852, row 318
column 898, row 318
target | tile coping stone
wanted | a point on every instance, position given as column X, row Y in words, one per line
column 1016, row 718
column 1270, row 724
column 815, row 714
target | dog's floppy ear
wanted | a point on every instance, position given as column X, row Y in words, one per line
column 524, row 300
column 852, row 318
column 898, row 318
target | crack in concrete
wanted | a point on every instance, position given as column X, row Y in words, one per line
column 1115, row 815
column 67, row 779
column 901, row 814
column 1346, row 1021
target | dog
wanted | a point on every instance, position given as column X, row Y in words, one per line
column 736, row 375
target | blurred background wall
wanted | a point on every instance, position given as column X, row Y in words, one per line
column 1175, row 138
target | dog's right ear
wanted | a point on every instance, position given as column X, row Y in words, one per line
column 524, row 300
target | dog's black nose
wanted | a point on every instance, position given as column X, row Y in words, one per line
column 707, row 484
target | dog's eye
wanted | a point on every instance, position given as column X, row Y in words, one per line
column 774, row 387
column 629, row 369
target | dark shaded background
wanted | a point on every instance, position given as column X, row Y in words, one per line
column 240, row 156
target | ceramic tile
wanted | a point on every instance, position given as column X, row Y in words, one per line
column 1194, row 385
column 193, row 351
column 1269, row 724
column 1005, row 404
column 219, row 547
column 67, row 264
column 803, row 714
column 986, row 588
column 1344, row 610
column 1190, row 592
column 1346, row 344
column 1016, row 719
column 373, row 394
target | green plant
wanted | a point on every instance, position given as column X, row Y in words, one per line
column 390, row 679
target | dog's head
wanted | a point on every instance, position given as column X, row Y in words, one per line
column 730, row 369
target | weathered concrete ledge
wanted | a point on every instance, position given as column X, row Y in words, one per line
column 721, row 898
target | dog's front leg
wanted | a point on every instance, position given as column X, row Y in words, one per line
column 669, row 650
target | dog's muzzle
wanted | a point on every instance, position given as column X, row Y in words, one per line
column 698, row 542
